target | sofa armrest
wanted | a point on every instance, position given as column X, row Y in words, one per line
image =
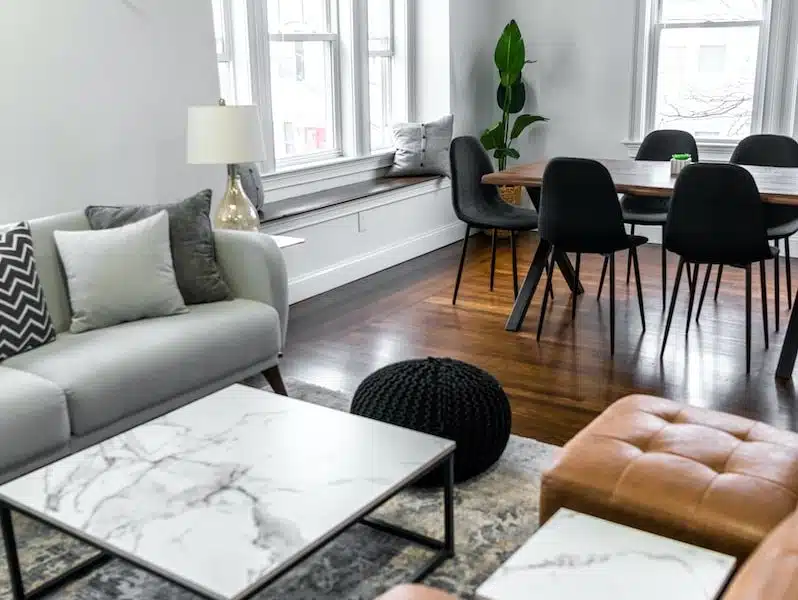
column 415, row 592
column 254, row 268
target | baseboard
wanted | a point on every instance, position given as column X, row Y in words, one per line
column 344, row 272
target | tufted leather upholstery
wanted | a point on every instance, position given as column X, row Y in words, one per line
column 707, row 478
column 772, row 571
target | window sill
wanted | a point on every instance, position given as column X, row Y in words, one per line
column 329, row 169
column 707, row 151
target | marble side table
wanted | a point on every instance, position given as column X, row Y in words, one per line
column 575, row 557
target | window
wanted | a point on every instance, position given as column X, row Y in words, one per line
column 381, row 56
column 329, row 81
column 709, row 59
column 302, row 45
column 222, row 25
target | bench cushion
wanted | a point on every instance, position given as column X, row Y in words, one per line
column 33, row 418
column 111, row 373
column 707, row 478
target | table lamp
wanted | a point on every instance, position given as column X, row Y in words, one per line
column 227, row 135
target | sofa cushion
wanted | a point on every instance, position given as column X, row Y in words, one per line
column 49, row 264
column 33, row 417
column 111, row 373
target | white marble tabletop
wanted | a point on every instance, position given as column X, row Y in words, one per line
column 221, row 493
column 577, row 557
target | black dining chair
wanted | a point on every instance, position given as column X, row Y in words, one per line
column 579, row 213
column 716, row 218
column 781, row 222
column 658, row 145
column 479, row 205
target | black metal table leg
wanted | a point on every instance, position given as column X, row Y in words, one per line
column 444, row 550
column 789, row 351
column 567, row 270
column 12, row 558
column 45, row 589
column 528, row 288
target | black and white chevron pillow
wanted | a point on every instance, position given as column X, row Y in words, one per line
column 25, row 322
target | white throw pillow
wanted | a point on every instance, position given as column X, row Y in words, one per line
column 121, row 274
column 422, row 148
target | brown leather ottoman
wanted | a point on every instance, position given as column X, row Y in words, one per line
column 708, row 478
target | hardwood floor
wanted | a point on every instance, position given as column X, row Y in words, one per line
column 558, row 386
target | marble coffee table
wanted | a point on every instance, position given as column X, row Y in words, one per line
column 575, row 556
column 226, row 494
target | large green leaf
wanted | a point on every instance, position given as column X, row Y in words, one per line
column 517, row 97
column 510, row 53
column 503, row 153
column 524, row 121
column 494, row 137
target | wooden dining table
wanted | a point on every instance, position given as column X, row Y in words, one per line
column 642, row 178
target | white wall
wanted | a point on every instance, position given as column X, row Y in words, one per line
column 474, row 30
column 93, row 102
column 583, row 78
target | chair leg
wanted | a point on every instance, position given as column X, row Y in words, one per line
column 764, row 287
column 788, row 271
column 629, row 261
column 639, row 287
column 717, row 281
column 603, row 275
column 674, row 293
column 612, row 304
column 664, row 272
column 462, row 262
column 693, row 284
column 492, row 258
column 515, row 264
column 703, row 293
column 748, row 319
column 551, row 291
column 546, row 296
column 574, row 294
column 777, row 292
column 275, row 380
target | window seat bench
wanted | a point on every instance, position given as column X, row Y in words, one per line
column 355, row 230
column 299, row 205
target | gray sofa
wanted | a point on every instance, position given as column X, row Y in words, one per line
column 82, row 388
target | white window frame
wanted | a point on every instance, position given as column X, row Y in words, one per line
column 774, row 95
column 390, row 54
column 351, row 105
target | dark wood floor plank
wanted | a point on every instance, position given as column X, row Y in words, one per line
column 558, row 386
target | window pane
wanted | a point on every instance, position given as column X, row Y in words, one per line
column 227, row 84
column 219, row 26
column 380, row 100
column 706, row 79
column 380, row 25
column 711, row 10
column 298, row 16
column 302, row 98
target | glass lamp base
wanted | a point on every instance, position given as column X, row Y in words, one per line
column 235, row 210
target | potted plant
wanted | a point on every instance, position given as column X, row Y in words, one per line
column 510, row 58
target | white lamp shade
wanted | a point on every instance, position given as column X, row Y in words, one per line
column 224, row 135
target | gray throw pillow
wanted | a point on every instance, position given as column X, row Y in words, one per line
column 121, row 274
column 191, row 236
column 422, row 148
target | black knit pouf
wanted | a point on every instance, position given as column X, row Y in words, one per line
column 443, row 397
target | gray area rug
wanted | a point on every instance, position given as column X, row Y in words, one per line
column 494, row 515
